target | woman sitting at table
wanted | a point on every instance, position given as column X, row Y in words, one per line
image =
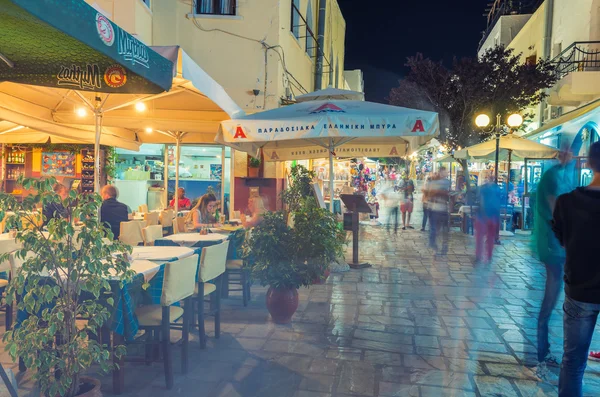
column 203, row 213
column 256, row 206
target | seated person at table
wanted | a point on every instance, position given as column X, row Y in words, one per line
column 56, row 210
column 184, row 202
column 112, row 212
column 256, row 206
column 203, row 213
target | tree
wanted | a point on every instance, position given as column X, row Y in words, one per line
column 497, row 82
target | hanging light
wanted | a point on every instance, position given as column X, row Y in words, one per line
column 81, row 112
column 148, row 130
column 140, row 106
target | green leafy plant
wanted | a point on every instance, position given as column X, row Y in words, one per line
column 270, row 251
column 317, row 239
column 110, row 169
column 299, row 189
column 65, row 276
column 253, row 162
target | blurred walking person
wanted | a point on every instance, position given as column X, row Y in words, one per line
column 425, row 199
column 407, row 189
column 554, row 182
column 390, row 200
column 487, row 220
column 439, row 195
column 575, row 223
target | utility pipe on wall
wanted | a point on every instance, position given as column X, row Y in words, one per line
column 320, row 45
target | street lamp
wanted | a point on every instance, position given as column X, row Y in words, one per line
column 514, row 121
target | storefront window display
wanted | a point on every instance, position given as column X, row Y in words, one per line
column 140, row 175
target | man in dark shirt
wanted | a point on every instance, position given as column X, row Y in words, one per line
column 575, row 223
column 56, row 210
column 113, row 212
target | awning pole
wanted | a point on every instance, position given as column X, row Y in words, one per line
column 98, row 122
column 222, row 181
column 166, row 177
column 331, row 175
column 177, row 156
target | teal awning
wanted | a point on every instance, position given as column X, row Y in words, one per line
column 68, row 44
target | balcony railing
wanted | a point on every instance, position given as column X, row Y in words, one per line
column 578, row 57
column 498, row 8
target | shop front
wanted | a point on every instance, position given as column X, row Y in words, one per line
column 142, row 177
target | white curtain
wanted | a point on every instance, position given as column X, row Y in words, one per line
column 227, row 7
column 206, row 7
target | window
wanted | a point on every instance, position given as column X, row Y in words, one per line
column 215, row 7
column 147, row 2
column 531, row 60
column 310, row 40
column 296, row 18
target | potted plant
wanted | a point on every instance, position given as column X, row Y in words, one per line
column 66, row 278
column 317, row 237
column 300, row 188
column 253, row 167
column 270, row 251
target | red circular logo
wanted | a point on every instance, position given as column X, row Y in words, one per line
column 115, row 76
column 105, row 29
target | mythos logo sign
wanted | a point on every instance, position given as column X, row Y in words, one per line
column 328, row 108
column 105, row 30
column 83, row 78
column 132, row 50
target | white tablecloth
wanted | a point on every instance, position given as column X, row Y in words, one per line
column 189, row 239
column 8, row 244
column 145, row 267
column 161, row 253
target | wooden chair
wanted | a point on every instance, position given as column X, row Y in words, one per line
column 178, row 285
column 28, row 224
column 151, row 218
column 166, row 220
column 143, row 208
column 235, row 273
column 179, row 225
column 212, row 266
column 131, row 233
column 151, row 234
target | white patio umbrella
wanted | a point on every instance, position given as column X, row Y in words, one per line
column 329, row 124
column 331, row 93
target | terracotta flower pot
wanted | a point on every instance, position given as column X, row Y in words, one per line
column 282, row 303
column 252, row 172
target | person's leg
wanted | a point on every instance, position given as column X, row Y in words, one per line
column 445, row 230
column 425, row 215
column 579, row 320
column 389, row 218
column 403, row 209
column 490, row 237
column 409, row 210
column 433, row 217
column 395, row 210
column 551, row 292
column 480, row 235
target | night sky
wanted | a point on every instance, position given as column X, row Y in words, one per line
column 381, row 34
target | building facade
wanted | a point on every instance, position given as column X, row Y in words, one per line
column 263, row 53
column 566, row 32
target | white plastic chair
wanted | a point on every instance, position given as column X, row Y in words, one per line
column 131, row 233
column 151, row 234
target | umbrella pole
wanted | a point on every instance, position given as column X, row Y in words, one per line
column 331, row 175
column 177, row 156
column 98, row 120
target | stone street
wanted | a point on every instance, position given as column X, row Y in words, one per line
column 411, row 325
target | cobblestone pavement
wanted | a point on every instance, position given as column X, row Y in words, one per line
column 410, row 326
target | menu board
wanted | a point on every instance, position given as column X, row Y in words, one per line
column 58, row 164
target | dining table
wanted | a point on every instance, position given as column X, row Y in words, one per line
column 164, row 254
column 193, row 240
